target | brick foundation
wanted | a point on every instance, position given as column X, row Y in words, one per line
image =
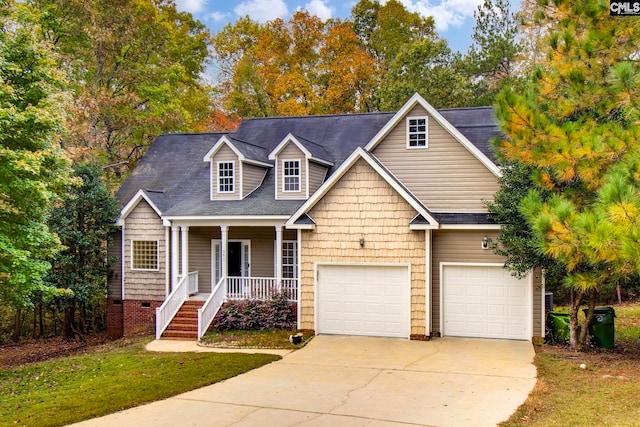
column 115, row 318
column 139, row 317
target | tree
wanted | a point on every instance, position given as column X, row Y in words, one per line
column 134, row 69
column 409, row 55
column 83, row 221
column 33, row 168
column 518, row 241
column 493, row 57
column 302, row 66
column 576, row 126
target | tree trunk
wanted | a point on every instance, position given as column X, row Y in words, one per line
column 619, row 292
column 17, row 331
column 591, row 305
column 69, row 321
column 576, row 301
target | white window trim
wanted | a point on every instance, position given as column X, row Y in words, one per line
column 233, row 176
column 295, row 258
column 299, row 176
column 157, row 255
column 246, row 263
column 426, row 132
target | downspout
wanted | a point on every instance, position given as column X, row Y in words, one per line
column 122, row 259
column 299, row 274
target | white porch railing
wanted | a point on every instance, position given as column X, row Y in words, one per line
column 211, row 306
column 260, row 288
column 166, row 312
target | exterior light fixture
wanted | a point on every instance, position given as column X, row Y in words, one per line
column 362, row 242
column 485, row 242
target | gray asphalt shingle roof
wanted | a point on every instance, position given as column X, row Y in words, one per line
column 175, row 177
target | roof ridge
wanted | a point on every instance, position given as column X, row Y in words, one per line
column 321, row 116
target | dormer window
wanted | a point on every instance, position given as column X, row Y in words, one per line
column 291, row 175
column 416, row 132
column 225, row 177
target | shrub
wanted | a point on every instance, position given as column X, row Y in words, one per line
column 244, row 315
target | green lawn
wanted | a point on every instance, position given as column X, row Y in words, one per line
column 71, row 389
column 605, row 393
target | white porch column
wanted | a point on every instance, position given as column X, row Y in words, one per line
column 184, row 256
column 224, row 245
column 279, row 255
column 175, row 260
column 428, row 299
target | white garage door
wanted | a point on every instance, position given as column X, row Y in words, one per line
column 485, row 302
column 370, row 300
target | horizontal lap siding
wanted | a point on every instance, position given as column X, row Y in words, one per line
column 317, row 174
column 362, row 204
column 252, row 178
column 144, row 224
column 538, row 306
column 440, row 175
column 225, row 154
column 291, row 152
column 465, row 246
column 262, row 251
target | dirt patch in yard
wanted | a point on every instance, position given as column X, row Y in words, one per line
column 37, row 350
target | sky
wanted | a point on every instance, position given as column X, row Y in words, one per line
column 453, row 18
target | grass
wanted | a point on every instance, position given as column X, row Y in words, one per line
column 71, row 389
column 278, row 339
column 605, row 393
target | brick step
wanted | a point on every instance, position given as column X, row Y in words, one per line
column 180, row 335
column 182, row 327
column 186, row 314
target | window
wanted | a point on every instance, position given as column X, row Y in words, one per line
column 291, row 175
column 289, row 260
column 144, row 255
column 225, row 177
column 416, row 132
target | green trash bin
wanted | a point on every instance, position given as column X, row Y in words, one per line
column 602, row 326
column 558, row 324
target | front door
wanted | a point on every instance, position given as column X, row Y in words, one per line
column 238, row 259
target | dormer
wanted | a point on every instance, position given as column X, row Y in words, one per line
column 300, row 166
column 236, row 168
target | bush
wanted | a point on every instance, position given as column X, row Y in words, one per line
column 245, row 315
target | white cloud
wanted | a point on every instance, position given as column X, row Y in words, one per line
column 217, row 16
column 319, row 8
column 446, row 13
column 263, row 10
column 191, row 6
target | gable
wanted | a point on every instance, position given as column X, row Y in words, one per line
column 445, row 175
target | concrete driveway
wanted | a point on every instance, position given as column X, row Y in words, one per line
column 359, row 381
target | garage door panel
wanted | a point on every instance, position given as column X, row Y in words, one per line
column 484, row 301
column 374, row 300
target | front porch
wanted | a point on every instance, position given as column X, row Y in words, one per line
column 187, row 314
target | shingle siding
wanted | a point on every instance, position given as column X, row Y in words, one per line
column 143, row 223
column 362, row 204
column 439, row 176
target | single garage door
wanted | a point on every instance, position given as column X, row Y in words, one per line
column 485, row 302
column 371, row 300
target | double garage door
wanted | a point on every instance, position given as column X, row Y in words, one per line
column 482, row 301
column 485, row 302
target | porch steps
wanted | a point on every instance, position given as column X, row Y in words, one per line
column 184, row 325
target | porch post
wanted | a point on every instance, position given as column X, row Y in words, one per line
column 279, row 256
column 184, row 237
column 175, row 261
column 224, row 244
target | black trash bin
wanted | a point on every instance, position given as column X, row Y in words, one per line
column 602, row 326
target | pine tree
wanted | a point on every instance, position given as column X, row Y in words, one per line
column 576, row 127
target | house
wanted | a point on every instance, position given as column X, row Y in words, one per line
column 374, row 224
